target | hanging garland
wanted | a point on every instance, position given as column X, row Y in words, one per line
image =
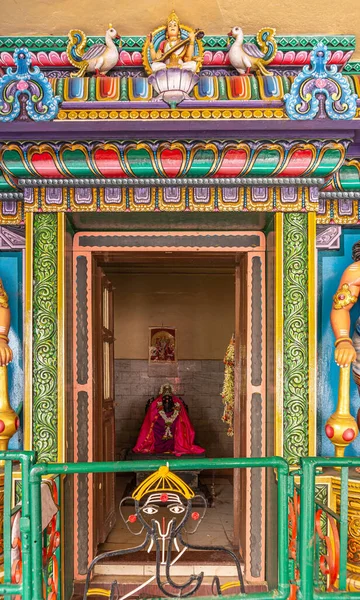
column 228, row 387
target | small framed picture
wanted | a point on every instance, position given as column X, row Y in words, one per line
column 162, row 345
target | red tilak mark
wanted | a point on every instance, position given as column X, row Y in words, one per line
column 164, row 497
column 163, row 525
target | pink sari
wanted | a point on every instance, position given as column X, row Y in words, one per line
column 184, row 434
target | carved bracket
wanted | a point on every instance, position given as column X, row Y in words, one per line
column 26, row 93
column 320, row 80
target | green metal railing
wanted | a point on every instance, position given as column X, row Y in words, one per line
column 25, row 460
column 307, row 547
column 277, row 463
column 31, row 587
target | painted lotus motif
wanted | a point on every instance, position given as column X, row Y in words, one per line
column 173, row 85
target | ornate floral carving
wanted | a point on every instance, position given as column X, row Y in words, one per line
column 296, row 418
column 41, row 104
column 45, row 337
column 323, row 80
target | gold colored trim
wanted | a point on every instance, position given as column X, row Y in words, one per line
column 179, row 113
column 279, row 334
column 312, row 297
column 28, row 331
column 61, row 335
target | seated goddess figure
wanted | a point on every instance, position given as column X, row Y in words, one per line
column 167, row 428
column 173, row 51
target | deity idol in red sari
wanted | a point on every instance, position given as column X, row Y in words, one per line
column 167, row 428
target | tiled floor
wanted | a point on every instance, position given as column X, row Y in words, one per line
column 216, row 528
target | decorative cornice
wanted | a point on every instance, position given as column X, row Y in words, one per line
column 286, row 43
column 151, row 113
column 351, row 68
column 171, row 198
column 346, row 179
column 179, row 181
column 11, row 196
column 339, row 195
column 290, row 162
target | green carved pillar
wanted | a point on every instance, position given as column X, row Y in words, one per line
column 44, row 335
column 296, row 335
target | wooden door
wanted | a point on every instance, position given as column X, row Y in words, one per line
column 104, row 398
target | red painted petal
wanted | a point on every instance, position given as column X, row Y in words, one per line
column 171, row 161
column 298, row 163
column 232, row 163
column 108, row 163
column 45, row 165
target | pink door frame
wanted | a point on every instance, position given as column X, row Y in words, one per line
column 85, row 244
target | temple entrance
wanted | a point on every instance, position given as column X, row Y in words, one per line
column 160, row 322
column 174, row 317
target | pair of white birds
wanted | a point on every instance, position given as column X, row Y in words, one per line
column 101, row 58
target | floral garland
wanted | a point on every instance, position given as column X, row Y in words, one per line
column 227, row 393
column 169, row 420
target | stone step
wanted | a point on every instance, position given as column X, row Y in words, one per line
column 128, row 583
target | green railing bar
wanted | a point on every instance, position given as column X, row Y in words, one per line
column 11, row 589
column 6, row 522
column 24, row 589
column 131, row 466
column 307, row 537
column 283, row 533
column 39, row 470
column 343, row 527
column 342, row 594
column 25, row 526
column 321, row 461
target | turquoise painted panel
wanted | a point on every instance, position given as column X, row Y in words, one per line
column 11, row 273
column 331, row 266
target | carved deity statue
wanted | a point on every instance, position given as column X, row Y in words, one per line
column 347, row 349
column 167, row 428
column 169, row 46
column 5, row 350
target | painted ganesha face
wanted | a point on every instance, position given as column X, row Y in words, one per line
column 165, row 509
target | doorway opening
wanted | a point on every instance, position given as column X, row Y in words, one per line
column 202, row 287
column 193, row 298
